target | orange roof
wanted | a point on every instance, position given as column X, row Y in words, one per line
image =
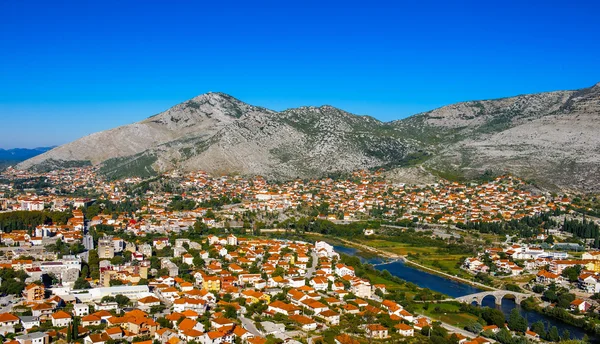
column 6, row 317
column 61, row 315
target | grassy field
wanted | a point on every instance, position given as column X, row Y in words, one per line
column 448, row 313
column 428, row 256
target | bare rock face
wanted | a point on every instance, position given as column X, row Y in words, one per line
column 220, row 134
column 551, row 138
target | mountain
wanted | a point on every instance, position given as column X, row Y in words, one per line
column 550, row 138
column 9, row 157
column 220, row 134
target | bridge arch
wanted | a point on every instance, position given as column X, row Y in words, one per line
column 497, row 294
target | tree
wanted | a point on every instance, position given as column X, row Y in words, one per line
column 117, row 260
column 198, row 261
column 115, row 282
column 572, row 273
column 230, row 312
column 164, row 322
column 538, row 288
column 564, row 300
column 278, row 272
column 474, row 327
column 566, row 335
column 94, row 264
column 504, row 336
column 81, row 283
column 75, row 328
column 493, row 316
column 516, row 322
column 122, row 300
column 538, row 327
column 553, row 335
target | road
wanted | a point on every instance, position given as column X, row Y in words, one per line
column 457, row 329
column 249, row 326
column 315, row 260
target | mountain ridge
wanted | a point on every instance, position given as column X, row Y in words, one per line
column 222, row 134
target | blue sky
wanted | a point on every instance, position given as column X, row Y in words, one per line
column 71, row 68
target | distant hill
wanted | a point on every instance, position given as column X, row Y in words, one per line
column 10, row 157
column 550, row 138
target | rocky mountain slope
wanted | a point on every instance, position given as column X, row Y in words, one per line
column 220, row 134
column 551, row 138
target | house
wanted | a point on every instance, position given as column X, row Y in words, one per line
column 148, row 302
column 546, row 277
column 305, row 322
column 376, row 331
column 283, row 308
column 29, row 322
column 580, row 305
column 216, row 337
column 331, row 317
column 114, row 333
column 319, row 283
column 589, row 282
column 81, row 309
column 90, row 320
column 33, row 338
column 345, row 339
column 99, row 338
column 42, row 310
column 189, row 324
column 8, row 322
column 532, row 335
column 219, row 323
column 344, row 270
column 61, row 319
column 491, row 328
column 405, row 330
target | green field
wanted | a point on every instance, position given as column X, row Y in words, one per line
column 428, row 256
column 448, row 313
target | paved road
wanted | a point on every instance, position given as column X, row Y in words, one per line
column 311, row 270
column 249, row 326
column 458, row 330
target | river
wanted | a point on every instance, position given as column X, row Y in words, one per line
column 456, row 289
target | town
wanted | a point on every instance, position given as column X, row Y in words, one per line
column 193, row 258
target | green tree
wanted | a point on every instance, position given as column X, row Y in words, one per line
column 516, row 322
column 94, row 264
column 69, row 334
column 566, row 335
column 538, row 327
column 75, row 328
column 493, row 317
column 117, row 260
column 81, row 283
column 553, row 335
column 122, row 300
column 474, row 327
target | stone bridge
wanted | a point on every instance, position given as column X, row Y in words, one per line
column 497, row 294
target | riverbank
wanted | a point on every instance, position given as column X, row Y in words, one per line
column 431, row 270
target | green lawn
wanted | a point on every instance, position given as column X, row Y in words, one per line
column 428, row 256
column 448, row 313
